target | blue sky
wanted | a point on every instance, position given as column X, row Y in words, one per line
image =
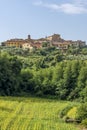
column 41, row 18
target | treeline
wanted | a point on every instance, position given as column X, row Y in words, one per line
column 67, row 80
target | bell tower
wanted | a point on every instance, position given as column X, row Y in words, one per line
column 29, row 37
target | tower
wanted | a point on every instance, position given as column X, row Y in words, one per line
column 29, row 37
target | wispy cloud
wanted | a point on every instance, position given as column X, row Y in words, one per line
column 38, row 3
column 81, row 2
column 76, row 7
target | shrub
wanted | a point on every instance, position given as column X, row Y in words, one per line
column 82, row 112
column 65, row 111
column 72, row 113
column 84, row 123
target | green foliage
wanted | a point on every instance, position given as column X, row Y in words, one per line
column 84, row 123
column 58, row 58
column 42, row 72
column 72, row 113
column 43, row 52
column 45, row 44
column 9, row 74
column 82, row 112
column 84, row 51
column 26, row 81
column 65, row 110
column 45, row 72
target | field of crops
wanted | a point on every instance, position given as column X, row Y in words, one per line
column 32, row 114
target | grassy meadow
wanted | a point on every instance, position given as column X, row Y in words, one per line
column 18, row 113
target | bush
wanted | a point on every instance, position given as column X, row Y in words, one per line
column 82, row 112
column 72, row 113
column 84, row 123
column 65, row 111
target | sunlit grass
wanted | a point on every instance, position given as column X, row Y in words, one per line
column 32, row 114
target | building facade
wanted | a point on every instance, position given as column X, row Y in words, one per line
column 54, row 40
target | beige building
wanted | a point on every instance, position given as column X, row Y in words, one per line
column 54, row 40
column 27, row 46
column 60, row 45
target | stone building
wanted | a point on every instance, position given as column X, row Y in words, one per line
column 60, row 43
column 27, row 46
column 54, row 40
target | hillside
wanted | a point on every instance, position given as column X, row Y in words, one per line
column 44, row 72
column 47, row 73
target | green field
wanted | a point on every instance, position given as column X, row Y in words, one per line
column 32, row 114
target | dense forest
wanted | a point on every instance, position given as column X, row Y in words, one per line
column 47, row 72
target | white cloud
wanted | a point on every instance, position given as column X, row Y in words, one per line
column 38, row 3
column 72, row 9
column 76, row 7
column 81, row 2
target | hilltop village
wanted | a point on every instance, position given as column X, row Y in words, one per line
column 50, row 68
column 54, row 40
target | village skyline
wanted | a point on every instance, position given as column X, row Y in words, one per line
column 54, row 40
column 43, row 18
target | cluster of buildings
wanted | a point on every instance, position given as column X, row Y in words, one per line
column 54, row 40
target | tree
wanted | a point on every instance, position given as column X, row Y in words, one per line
column 58, row 57
column 45, row 44
column 16, row 65
column 82, row 82
column 27, row 81
column 75, row 66
column 84, row 51
column 9, row 83
column 82, row 112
